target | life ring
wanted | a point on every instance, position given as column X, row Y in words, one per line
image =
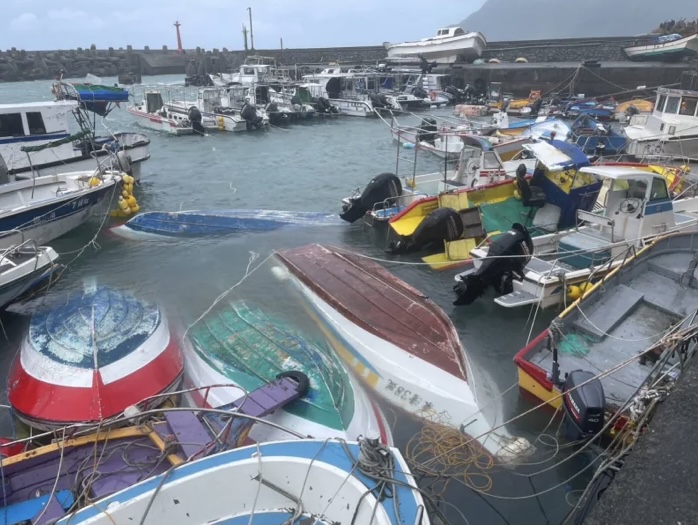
column 432, row 95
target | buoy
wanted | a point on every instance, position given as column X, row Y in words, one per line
column 129, row 188
column 583, row 287
column 131, row 201
column 135, row 209
column 94, row 181
column 221, row 123
column 123, row 206
column 574, row 292
column 124, row 194
column 127, row 179
column 517, row 195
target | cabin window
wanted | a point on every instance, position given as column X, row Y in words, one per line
column 248, row 71
column 688, row 106
column 660, row 103
column 491, row 162
column 659, row 190
column 672, row 105
column 372, row 84
column 36, row 123
column 636, row 188
column 11, row 125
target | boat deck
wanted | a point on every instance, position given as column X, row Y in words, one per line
column 625, row 320
column 8, row 262
column 380, row 303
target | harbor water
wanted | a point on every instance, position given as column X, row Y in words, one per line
column 310, row 167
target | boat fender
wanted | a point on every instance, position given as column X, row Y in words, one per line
column 124, row 162
column 123, row 206
column 302, row 381
column 221, row 123
column 127, row 179
column 383, row 188
column 508, row 255
column 94, row 181
column 432, row 95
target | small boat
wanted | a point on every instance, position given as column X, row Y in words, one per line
column 669, row 131
column 393, row 338
column 97, row 98
column 625, row 110
column 153, row 113
column 637, row 208
column 217, row 222
column 319, row 482
column 593, row 137
column 664, row 48
column 78, row 469
column 243, row 347
column 23, row 266
column 592, row 108
column 451, row 44
column 460, row 219
column 90, row 358
column 44, row 208
column 625, row 339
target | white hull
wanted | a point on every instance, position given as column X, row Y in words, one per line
column 353, row 108
column 409, row 382
column 17, row 277
column 468, row 47
column 684, row 46
column 677, row 148
column 155, row 122
column 199, row 374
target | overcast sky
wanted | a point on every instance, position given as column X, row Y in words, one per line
column 47, row 24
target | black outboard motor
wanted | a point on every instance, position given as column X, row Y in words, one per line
column 249, row 113
column 382, row 187
column 194, row 116
column 507, row 257
column 419, row 92
column 535, row 107
column 379, row 100
column 296, row 101
column 427, row 131
column 443, row 224
column 584, row 405
column 325, row 106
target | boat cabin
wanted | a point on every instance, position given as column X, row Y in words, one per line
column 35, row 123
column 448, row 32
column 675, row 115
column 153, row 101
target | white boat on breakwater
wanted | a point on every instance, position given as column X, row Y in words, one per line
column 451, row 44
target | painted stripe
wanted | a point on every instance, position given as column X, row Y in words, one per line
column 56, row 404
column 655, row 207
column 34, row 138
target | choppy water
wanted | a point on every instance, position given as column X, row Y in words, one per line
column 306, row 167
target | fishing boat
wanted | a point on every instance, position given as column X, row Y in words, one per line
column 152, row 113
column 625, row 110
column 88, row 359
column 36, row 140
column 44, row 208
column 162, row 224
column 243, row 347
column 664, row 48
column 306, row 481
column 21, row 267
column 451, row 44
column 460, row 218
column 608, row 357
column 637, row 208
column 397, row 341
column 81, row 467
column 670, row 131
column 593, row 137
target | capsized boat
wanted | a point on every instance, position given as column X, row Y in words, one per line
column 51, row 481
column 451, row 44
column 163, row 224
column 403, row 346
column 242, row 347
column 459, row 219
column 667, row 48
column 306, row 481
column 637, row 208
column 21, row 267
column 88, row 359
column 624, row 342
column 44, row 208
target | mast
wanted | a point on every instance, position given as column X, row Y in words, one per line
column 244, row 34
column 249, row 9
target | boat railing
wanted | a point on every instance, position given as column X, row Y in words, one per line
column 593, row 218
column 25, row 247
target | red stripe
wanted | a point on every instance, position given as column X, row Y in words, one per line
column 50, row 403
column 381, row 423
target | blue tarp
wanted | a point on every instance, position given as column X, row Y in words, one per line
column 579, row 159
column 98, row 93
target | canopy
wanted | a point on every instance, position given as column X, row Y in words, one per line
column 99, row 93
column 558, row 155
column 54, row 143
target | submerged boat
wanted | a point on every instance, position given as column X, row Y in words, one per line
column 395, row 339
column 451, row 44
column 665, row 48
column 637, row 208
column 306, row 481
column 52, row 481
column 240, row 348
column 21, row 267
column 217, row 222
column 669, row 131
column 90, row 358
column 459, row 219
column 627, row 339
column 44, row 208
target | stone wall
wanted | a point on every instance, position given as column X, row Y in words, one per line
column 564, row 50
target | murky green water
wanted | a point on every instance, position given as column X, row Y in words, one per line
column 305, row 167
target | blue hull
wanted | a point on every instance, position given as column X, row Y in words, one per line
column 195, row 223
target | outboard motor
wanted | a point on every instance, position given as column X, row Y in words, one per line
column 443, row 224
column 535, row 107
column 419, row 92
column 4, row 172
column 379, row 100
column 296, row 102
column 194, row 116
column 507, row 257
column 584, row 405
column 382, row 187
column 325, row 106
column 249, row 113
column 427, row 131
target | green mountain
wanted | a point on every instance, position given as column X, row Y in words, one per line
column 543, row 19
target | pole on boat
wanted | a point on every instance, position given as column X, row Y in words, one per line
column 249, row 9
column 244, row 35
